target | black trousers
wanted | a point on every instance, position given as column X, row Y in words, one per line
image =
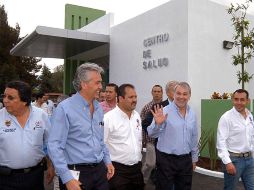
column 33, row 180
column 91, row 177
column 173, row 171
column 127, row 177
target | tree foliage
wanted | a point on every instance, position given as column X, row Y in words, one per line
column 243, row 40
column 51, row 82
column 11, row 67
column 57, row 79
column 45, row 80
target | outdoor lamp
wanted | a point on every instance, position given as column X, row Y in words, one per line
column 228, row 44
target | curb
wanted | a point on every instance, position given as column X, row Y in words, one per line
column 209, row 172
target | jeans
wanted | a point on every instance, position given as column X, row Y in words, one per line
column 244, row 169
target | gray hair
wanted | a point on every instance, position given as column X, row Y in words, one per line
column 82, row 74
column 171, row 85
column 184, row 85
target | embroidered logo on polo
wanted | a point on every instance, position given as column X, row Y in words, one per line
column 38, row 125
column 11, row 130
column 8, row 123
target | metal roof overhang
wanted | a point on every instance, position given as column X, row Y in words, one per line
column 48, row 42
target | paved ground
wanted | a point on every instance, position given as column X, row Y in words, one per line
column 199, row 182
column 203, row 182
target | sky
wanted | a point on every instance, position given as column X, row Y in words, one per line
column 31, row 13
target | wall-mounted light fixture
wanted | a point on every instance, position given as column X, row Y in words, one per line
column 228, row 44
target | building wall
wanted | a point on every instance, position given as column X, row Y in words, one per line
column 196, row 30
column 210, row 66
column 126, row 49
column 75, row 18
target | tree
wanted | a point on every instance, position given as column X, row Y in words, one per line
column 57, row 79
column 45, row 80
column 243, row 40
column 11, row 67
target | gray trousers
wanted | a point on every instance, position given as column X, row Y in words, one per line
column 149, row 161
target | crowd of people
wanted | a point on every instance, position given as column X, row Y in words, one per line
column 95, row 139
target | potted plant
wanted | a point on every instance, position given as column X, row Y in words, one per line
column 211, row 111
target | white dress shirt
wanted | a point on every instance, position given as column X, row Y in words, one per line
column 234, row 134
column 123, row 136
column 48, row 107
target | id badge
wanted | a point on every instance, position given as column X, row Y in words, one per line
column 75, row 174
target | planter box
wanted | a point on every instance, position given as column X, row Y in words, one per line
column 211, row 111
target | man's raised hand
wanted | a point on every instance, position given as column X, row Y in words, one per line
column 158, row 115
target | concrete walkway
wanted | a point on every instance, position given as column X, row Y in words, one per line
column 199, row 182
column 203, row 182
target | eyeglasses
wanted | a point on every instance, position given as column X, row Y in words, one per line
column 8, row 97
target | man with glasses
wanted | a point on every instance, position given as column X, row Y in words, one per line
column 23, row 137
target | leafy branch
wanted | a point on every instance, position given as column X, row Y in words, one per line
column 243, row 40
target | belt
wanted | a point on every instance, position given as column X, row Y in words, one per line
column 7, row 171
column 83, row 165
column 240, row 155
column 130, row 166
column 175, row 155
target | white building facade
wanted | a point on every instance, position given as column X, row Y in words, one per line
column 193, row 51
column 179, row 40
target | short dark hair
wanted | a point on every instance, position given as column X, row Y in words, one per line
column 121, row 90
column 39, row 95
column 113, row 85
column 157, row 85
column 24, row 90
column 71, row 93
column 242, row 91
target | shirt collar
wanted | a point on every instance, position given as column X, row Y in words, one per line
column 31, row 108
column 84, row 102
column 176, row 107
column 246, row 110
column 123, row 114
column 108, row 104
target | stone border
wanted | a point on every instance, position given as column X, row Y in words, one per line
column 209, row 172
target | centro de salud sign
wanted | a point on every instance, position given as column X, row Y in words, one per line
column 149, row 62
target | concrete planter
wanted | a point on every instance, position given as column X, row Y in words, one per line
column 211, row 111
